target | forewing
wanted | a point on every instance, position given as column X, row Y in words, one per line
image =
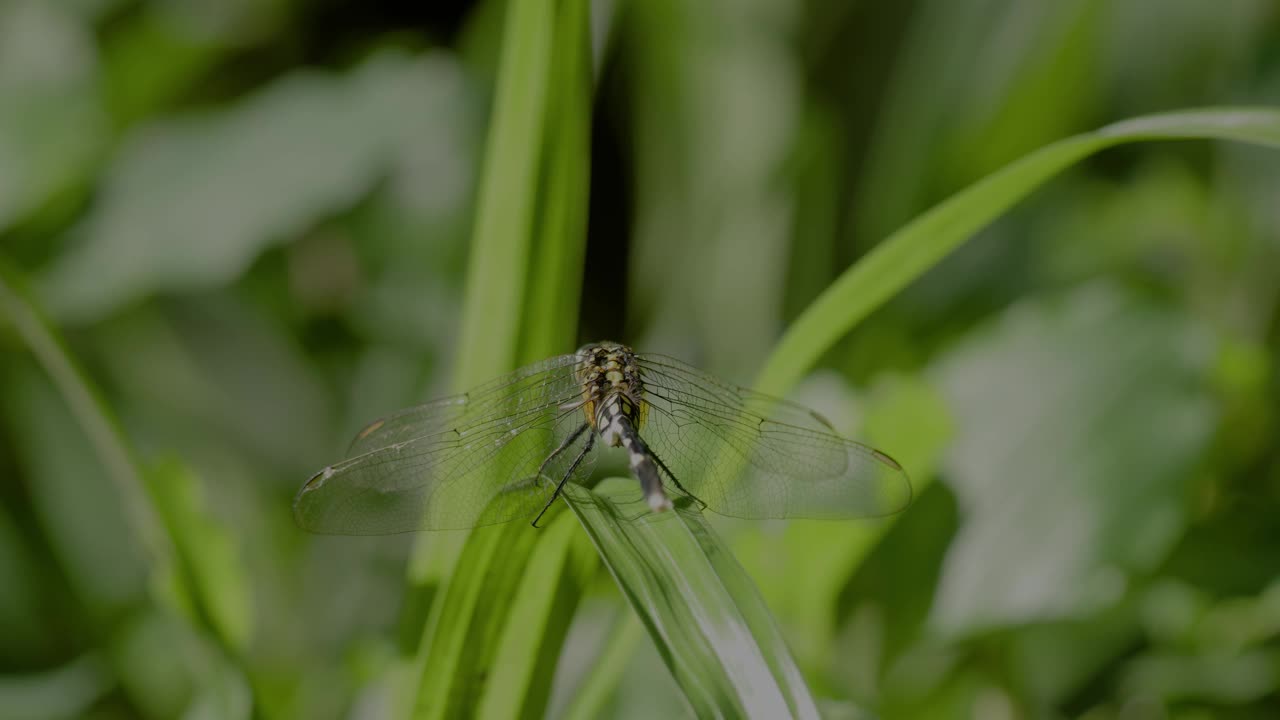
column 460, row 410
column 458, row 463
column 749, row 455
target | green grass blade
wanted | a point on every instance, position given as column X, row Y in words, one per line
column 90, row 412
column 699, row 606
column 555, row 284
column 496, row 629
column 563, row 561
column 592, row 695
column 520, row 680
column 463, row 633
column 906, row 254
column 501, row 242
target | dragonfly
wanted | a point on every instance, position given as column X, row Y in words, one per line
column 506, row 450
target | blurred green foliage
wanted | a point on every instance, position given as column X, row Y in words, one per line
column 251, row 223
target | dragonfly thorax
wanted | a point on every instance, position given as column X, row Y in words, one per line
column 611, row 390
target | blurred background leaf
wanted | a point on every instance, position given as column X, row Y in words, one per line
column 176, row 214
column 1103, row 507
column 52, row 128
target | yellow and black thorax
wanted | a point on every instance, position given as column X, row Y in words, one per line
column 612, row 389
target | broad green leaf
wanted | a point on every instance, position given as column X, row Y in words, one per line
column 1079, row 423
column 191, row 201
column 193, row 376
column 68, row 691
column 906, row 254
column 699, row 606
column 52, row 129
column 158, row 663
column 208, row 559
column 224, row 694
column 1218, row 679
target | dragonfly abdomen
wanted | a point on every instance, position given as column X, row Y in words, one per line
column 643, row 467
column 612, row 392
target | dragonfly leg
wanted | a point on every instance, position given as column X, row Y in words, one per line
column 674, row 479
column 572, row 468
column 556, row 453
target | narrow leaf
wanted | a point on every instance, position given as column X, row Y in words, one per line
column 555, row 281
column 906, row 254
column 563, row 562
column 461, row 636
column 89, row 410
column 523, row 668
column 699, row 606
column 592, row 695
column 501, row 242
column 494, row 608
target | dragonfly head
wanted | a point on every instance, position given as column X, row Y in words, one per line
column 594, row 350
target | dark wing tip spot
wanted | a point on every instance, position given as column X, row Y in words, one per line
column 884, row 458
column 903, row 494
column 370, row 429
column 301, row 513
column 315, row 481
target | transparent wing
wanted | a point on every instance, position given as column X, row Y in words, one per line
column 749, row 455
column 459, row 410
column 488, row 456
